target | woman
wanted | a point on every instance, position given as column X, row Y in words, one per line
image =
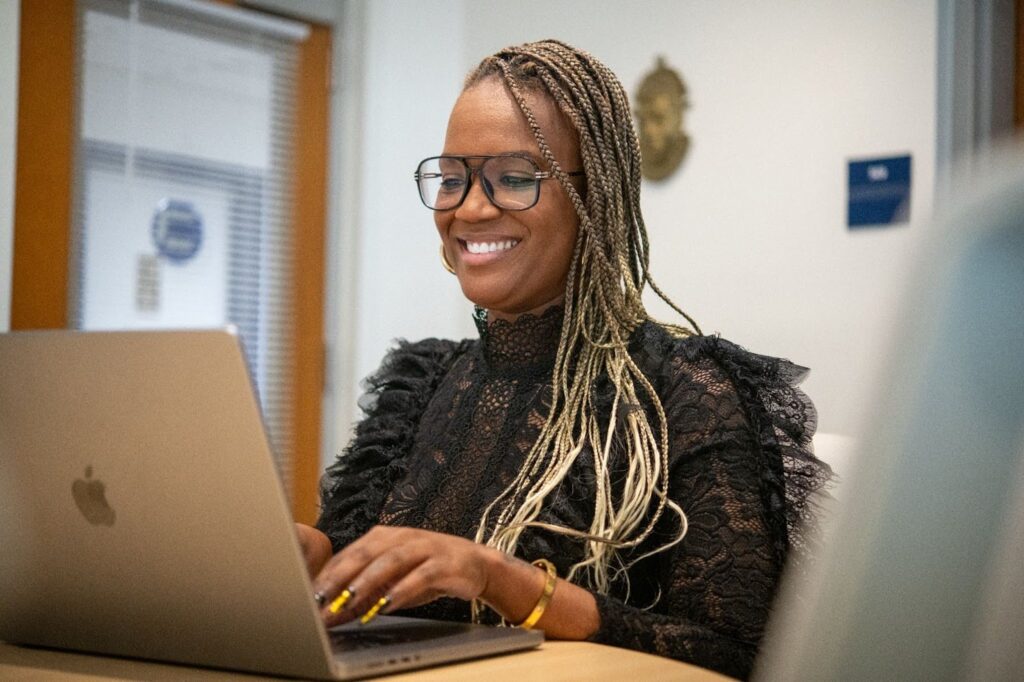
column 654, row 475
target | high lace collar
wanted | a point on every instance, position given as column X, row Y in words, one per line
column 529, row 341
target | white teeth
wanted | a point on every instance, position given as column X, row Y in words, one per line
column 490, row 247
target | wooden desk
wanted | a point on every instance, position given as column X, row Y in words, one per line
column 556, row 661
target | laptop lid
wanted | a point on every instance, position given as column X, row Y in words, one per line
column 141, row 513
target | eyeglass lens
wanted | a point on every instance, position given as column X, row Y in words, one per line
column 509, row 181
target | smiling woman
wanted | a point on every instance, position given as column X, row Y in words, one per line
column 579, row 468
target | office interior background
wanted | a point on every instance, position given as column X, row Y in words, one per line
column 750, row 236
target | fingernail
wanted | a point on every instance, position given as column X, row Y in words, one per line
column 342, row 599
column 372, row 613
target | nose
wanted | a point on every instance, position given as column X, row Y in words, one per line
column 477, row 206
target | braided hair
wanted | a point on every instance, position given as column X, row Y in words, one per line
column 603, row 306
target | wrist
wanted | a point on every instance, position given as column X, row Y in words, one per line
column 512, row 585
column 550, row 580
column 491, row 559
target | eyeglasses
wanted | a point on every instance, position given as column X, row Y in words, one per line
column 510, row 181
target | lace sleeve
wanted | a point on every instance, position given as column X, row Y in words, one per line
column 739, row 430
column 353, row 489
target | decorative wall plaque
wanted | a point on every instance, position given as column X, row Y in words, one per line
column 660, row 103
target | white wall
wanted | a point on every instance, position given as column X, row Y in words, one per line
column 750, row 236
column 9, row 24
column 412, row 70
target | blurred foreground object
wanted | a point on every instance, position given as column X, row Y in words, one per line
column 921, row 576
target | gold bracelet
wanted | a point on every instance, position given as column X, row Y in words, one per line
column 545, row 596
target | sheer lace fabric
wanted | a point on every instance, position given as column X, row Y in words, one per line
column 448, row 425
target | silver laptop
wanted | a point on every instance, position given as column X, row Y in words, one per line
column 141, row 515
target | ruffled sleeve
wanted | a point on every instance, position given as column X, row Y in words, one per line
column 354, row 488
column 743, row 471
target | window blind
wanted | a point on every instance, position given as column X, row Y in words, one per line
column 183, row 173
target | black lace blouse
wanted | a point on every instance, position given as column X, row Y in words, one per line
column 447, row 425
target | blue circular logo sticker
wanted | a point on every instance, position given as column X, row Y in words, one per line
column 177, row 230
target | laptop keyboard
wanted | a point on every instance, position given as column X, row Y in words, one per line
column 355, row 638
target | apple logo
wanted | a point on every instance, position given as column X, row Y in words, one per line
column 92, row 500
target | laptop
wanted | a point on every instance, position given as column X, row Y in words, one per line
column 141, row 515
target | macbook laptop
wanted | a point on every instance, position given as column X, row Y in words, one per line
column 141, row 515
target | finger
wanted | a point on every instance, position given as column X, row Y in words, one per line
column 316, row 548
column 374, row 610
column 420, row 586
column 336, row 575
column 342, row 600
column 378, row 577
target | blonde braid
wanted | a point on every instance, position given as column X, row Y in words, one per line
column 603, row 306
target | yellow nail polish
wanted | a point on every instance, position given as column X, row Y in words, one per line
column 340, row 601
column 372, row 613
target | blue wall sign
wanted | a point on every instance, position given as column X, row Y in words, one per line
column 879, row 192
column 177, row 230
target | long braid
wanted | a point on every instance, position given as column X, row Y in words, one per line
column 603, row 306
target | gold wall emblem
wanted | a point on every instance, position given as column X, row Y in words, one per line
column 660, row 103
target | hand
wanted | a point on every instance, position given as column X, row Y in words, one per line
column 316, row 547
column 409, row 566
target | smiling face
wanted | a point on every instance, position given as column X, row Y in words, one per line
column 510, row 262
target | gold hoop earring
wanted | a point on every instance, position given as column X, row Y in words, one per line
column 444, row 261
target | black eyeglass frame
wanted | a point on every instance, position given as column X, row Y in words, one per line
column 538, row 175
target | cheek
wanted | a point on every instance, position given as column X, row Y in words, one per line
column 442, row 220
column 564, row 243
column 567, row 247
column 570, row 223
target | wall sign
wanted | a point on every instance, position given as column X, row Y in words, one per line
column 177, row 230
column 879, row 192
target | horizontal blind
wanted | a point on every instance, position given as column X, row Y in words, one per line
column 188, row 109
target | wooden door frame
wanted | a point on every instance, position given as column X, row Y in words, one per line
column 44, row 173
column 45, row 165
column 309, row 192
